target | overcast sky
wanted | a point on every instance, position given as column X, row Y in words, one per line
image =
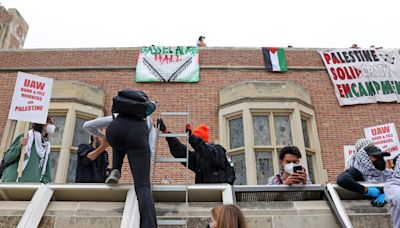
column 228, row 23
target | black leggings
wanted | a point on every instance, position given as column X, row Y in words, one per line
column 348, row 180
column 130, row 136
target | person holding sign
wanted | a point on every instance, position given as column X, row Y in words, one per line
column 392, row 193
column 36, row 163
column 367, row 164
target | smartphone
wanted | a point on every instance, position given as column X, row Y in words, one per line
column 297, row 168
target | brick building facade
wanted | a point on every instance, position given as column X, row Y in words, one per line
column 222, row 70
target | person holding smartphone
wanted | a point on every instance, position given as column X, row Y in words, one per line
column 293, row 172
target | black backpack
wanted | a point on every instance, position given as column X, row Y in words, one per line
column 133, row 103
column 230, row 175
column 230, row 172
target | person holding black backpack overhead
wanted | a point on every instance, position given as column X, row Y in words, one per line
column 130, row 133
column 208, row 160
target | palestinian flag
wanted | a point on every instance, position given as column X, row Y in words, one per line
column 275, row 59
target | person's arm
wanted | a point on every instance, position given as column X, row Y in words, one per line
column 96, row 152
column 85, row 149
column 94, row 126
column 348, row 180
column 178, row 150
column 152, row 135
column 13, row 153
column 295, row 178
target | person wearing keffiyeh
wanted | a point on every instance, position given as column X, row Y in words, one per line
column 36, row 165
column 367, row 164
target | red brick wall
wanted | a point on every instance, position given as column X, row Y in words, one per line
column 337, row 126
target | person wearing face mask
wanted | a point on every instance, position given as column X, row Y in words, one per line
column 369, row 166
column 36, row 165
column 92, row 161
column 293, row 172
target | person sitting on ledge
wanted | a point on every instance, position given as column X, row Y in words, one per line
column 367, row 164
column 292, row 172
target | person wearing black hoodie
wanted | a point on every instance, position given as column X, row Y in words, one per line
column 92, row 161
column 208, row 161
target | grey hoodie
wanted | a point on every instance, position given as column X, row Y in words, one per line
column 392, row 196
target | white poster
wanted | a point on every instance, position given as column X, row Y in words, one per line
column 348, row 151
column 385, row 137
column 362, row 76
column 31, row 98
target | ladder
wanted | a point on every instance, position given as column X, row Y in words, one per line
column 163, row 159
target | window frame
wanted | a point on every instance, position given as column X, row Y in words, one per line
column 296, row 111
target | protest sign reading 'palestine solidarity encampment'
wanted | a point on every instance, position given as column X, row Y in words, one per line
column 363, row 76
column 385, row 137
column 168, row 64
column 31, row 98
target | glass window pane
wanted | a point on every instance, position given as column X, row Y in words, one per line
column 72, row 168
column 282, row 130
column 305, row 133
column 310, row 164
column 80, row 136
column 54, row 162
column 239, row 163
column 261, row 130
column 236, row 137
column 278, row 150
column 56, row 138
column 264, row 167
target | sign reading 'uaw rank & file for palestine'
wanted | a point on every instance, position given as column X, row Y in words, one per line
column 31, row 98
column 385, row 137
column 363, row 76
